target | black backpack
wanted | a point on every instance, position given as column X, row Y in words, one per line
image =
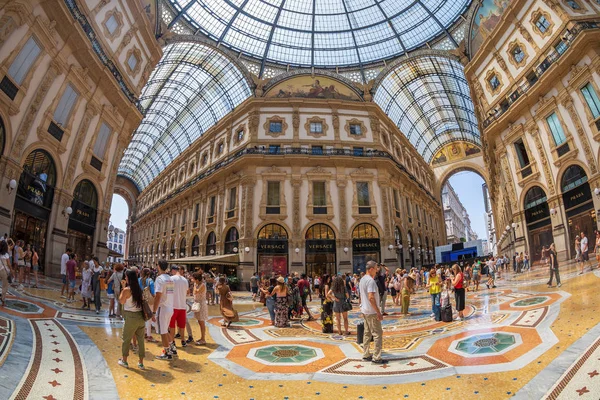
column 447, row 313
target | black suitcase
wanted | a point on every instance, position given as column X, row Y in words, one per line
column 447, row 313
column 360, row 332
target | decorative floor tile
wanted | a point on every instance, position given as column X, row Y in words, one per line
column 395, row 366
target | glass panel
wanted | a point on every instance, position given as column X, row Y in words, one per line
column 102, row 140
column 362, row 191
column 112, row 24
column 272, row 231
column 232, row 198
column 355, row 129
column 65, row 105
column 319, row 196
column 556, row 128
column 273, row 194
column 316, row 127
column 591, row 98
column 275, row 127
column 521, row 153
column 24, row 60
column 212, row 206
column 574, row 176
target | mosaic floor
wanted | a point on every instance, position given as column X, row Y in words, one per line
column 520, row 340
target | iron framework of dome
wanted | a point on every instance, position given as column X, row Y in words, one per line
column 190, row 90
column 428, row 97
column 320, row 33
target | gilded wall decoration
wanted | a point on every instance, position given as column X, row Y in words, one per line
column 320, row 87
column 455, row 151
column 486, row 18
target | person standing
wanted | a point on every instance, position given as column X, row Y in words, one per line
column 116, row 278
column 434, row 285
column 585, row 257
column 181, row 288
column 553, row 267
column 476, row 274
column 131, row 298
column 459, row 291
column 338, row 294
column 326, row 305
column 71, row 277
column 254, row 285
column 86, row 285
column 146, row 281
column 4, row 269
column 304, row 289
column 407, row 288
column 200, row 307
column 63, row 272
column 163, row 309
column 269, row 299
column 597, row 248
column 369, row 307
column 96, row 287
column 35, row 264
column 27, row 261
column 280, row 292
column 578, row 257
column 382, row 285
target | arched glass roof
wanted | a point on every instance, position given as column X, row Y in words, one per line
column 321, row 33
column 190, row 90
column 428, row 98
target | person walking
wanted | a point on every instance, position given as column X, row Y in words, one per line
column 200, row 308
column 553, row 266
column 459, row 291
column 407, row 288
column 369, row 307
column 434, row 284
column 269, row 299
column 179, row 318
column 226, row 303
column 304, row 289
column 326, row 305
column 254, row 285
column 131, row 298
column 339, row 295
column 63, row 272
column 476, row 274
column 163, row 309
column 71, row 277
column 96, row 287
column 4, row 269
column 381, row 280
column 116, row 278
column 597, row 248
column 280, row 292
column 585, row 257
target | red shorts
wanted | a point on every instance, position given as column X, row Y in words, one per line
column 179, row 317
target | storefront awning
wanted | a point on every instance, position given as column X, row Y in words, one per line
column 225, row 259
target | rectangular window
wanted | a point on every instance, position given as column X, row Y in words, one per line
column 364, row 201
column 521, row 153
column 274, row 149
column 196, row 212
column 240, row 135
column 212, row 206
column 232, row 198
column 317, row 150
column 556, row 128
column 65, row 106
column 591, row 98
column 319, row 198
column 273, row 198
column 183, row 219
column 542, row 24
column 316, row 127
column 174, row 221
column 494, row 82
column 560, row 47
column 397, row 203
column 112, row 24
column 358, row 151
column 24, row 60
column 102, row 140
column 408, row 207
column 275, row 127
column 355, row 129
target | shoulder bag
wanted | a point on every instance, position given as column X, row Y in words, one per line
column 347, row 305
column 147, row 294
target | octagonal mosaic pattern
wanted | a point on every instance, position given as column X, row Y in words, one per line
column 531, row 301
column 283, row 354
column 23, row 307
column 489, row 343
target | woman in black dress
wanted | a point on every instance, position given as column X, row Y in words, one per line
column 553, row 266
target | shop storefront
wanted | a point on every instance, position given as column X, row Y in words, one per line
column 365, row 247
column 539, row 224
column 272, row 250
column 579, row 206
column 82, row 221
column 320, row 250
column 33, row 202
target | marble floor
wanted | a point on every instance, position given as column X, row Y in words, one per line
column 521, row 340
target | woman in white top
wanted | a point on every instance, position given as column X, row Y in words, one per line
column 4, row 269
column 131, row 297
column 86, row 285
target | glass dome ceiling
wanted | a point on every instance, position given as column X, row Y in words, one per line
column 321, row 33
column 429, row 100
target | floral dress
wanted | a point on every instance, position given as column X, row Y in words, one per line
column 327, row 315
column 86, row 283
column 200, row 298
column 281, row 311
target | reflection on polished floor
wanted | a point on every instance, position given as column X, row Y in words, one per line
column 521, row 339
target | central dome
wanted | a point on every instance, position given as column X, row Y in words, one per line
column 321, row 33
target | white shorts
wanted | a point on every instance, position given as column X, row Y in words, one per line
column 163, row 318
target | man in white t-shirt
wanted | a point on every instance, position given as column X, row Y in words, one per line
column 369, row 307
column 179, row 317
column 63, row 272
column 163, row 308
column 585, row 256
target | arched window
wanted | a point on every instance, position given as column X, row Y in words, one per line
column 409, row 238
column 365, row 231
column 320, row 232
column 535, row 196
column 196, row 245
column 172, row 251
column 574, row 176
column 164, row 250
column 231, row 241
column 38, row 179
column 85, row 192
column 182, row 249
column 272, row 231
column 211, row 244
column 397, row 236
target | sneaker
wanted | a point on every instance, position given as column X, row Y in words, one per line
column 141, row 366
column 164, row 356
column 123, row 363
column 458, row 319
column 183, row 343
column 432, row 315
column 97, row 312
column 559, row 285
column 189, row 340
column 370, row 358
column 380, row 361
column 177, row 336
column 63, row 296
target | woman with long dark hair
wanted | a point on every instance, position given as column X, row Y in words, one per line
column 338, row 294
column 131, row 298
column 326, row 304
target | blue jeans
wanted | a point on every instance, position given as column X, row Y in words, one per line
column 271, row 307
column 435, row 306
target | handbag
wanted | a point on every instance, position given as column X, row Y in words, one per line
column 146, row 311
column 7, row 269
column 196, row 307
column 347, row 305
column 147, row 295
